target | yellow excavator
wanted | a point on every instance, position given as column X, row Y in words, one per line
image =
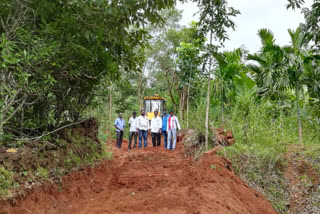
column 153, row 103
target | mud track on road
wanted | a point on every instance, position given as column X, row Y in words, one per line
column 151, row 180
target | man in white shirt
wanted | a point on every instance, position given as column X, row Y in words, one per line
column 172, row 126
column 156, row 126
column 133, row 130
column 142, row 128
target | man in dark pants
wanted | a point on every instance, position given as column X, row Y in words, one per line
column 156, row 125
column 133, row 130
column 119, row 124
column 164, row 126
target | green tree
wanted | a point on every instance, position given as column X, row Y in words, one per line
column 55, row 54
column 229, row 65
column 163, row 54
column 268, row 67
column 188, row 62
column 215, row 19
column 282, row 68
column 297, row 56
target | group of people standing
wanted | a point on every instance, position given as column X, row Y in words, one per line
column 166, row 125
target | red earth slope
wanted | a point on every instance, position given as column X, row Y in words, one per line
column 152, row 180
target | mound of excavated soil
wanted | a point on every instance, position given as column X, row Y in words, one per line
column 152, row 180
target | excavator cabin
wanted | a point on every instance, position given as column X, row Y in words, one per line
column 153, row 103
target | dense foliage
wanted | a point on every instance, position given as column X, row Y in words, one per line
column 55, row 55
column 64, row 60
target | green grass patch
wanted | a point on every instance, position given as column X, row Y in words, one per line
column 262, row 167
column 6, row 182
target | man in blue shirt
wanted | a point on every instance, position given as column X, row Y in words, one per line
column 119, row 124
column 164, row 126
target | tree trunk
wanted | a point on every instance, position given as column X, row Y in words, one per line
column 110, row 111
column 170, row 92
column 207, row 112
column 188, row 111
column 141, row 88
column 208, row 100
column 139, row 92
column 181, row 106
column 141, row 99
column 22, row 122
column 188, row 97
column 182, row 95
column 281, row 123
column 188, row 105
column 245, row 129
column 222, row 114
column 298, row 113
column 184, row 103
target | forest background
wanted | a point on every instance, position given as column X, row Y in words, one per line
column 64, row 61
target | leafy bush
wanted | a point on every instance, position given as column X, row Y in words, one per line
column 6, row 182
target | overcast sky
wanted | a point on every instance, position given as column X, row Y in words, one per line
column 255, row 14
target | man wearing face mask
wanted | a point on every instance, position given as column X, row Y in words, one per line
column 164, row 126
column 142, row 128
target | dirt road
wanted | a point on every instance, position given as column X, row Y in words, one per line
column 152, row 180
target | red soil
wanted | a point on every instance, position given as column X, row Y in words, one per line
column 152, row 180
